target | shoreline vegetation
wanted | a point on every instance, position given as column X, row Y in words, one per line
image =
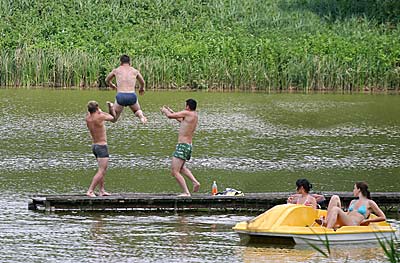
column 250, row 45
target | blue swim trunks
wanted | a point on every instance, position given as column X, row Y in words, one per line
column 126, row 99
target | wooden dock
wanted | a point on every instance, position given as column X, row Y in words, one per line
column 250, row 202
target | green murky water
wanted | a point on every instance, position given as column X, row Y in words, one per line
column 251, row 142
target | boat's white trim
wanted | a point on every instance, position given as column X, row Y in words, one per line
column 319, row 238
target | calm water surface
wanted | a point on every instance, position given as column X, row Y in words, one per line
column 252, row 142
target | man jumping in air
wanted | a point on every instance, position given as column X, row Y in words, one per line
column 126, row 77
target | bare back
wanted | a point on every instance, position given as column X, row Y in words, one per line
column 188, row 126
column 95, row 124
column 126, row 78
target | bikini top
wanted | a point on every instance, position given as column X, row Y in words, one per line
column 362, row 209
column 306, row 202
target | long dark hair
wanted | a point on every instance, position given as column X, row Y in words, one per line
column 305, row 183
column 363, row 186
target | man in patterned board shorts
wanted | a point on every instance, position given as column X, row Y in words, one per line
column 95, row 119
column 188, row 119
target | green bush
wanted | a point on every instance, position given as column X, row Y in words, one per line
column 224, row 44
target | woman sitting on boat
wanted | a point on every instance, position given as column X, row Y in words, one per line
column 358, row 212
column 303, row 197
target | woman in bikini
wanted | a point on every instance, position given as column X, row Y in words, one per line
column 303, row 197
column 358, row 212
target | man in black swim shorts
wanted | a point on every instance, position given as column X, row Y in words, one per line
column 95, row 119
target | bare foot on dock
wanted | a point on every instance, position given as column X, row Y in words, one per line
column 104, row 194
column 185, row 195
column 90, row 194
column 196, row 187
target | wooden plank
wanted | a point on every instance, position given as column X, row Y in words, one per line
column 165, row 201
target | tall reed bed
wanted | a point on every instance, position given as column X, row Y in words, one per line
column 50, row 68
column 38, row 68
column 221, row 44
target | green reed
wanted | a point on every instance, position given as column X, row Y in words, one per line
column 247, row 45
column 391, row 249
column 49, row 69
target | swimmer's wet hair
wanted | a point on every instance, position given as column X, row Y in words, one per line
column 92, row 106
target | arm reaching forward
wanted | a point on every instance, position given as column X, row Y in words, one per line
column 173, row 115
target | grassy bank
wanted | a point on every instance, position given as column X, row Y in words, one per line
column 224, row 44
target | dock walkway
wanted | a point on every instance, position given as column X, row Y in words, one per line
column 389, row 201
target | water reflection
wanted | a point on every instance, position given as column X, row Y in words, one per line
column 97, row 228
column 277, row 254
column 355, row 253
column 246, row 144
column 133, row 237
column 252, row 142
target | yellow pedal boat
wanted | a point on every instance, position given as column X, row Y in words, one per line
column 295, row 224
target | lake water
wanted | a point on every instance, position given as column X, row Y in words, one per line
column 251, row 142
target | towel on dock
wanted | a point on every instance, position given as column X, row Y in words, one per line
column 231, row 192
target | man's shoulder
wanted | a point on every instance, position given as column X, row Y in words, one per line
column 96, row 118
column 191, row 116
column 88, row 117
column 134, row 70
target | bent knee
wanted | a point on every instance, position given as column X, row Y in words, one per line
column 335, row 197
column 335, row 210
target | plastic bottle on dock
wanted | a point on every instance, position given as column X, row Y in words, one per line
column 214, row 188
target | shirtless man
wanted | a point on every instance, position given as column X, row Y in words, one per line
column 188, row 119
column 126, row 80
column 95, row 122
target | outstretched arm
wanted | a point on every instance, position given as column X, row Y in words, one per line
column 173, row 115
column 109, row 79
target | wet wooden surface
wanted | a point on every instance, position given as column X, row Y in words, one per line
column 197, row 202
